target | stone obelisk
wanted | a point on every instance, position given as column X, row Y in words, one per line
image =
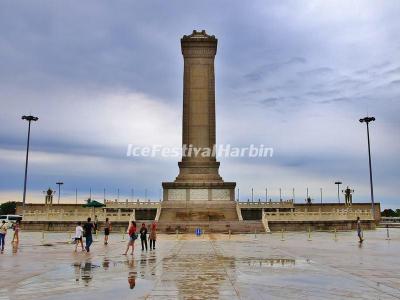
column 198, row 178
column 198, row 126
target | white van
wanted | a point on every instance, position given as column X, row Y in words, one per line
column 10, row 219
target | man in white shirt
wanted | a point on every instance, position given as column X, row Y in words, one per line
column 79, row 236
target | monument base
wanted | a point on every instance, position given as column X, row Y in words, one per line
column 199, row 191
column 191, row 201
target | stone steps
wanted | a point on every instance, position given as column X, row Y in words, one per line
column 178, row 211
column 212, row 226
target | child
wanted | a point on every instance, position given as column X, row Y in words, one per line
column 143, row 236
column 78, row 236
column 3, row 232
column 153, row 236
column 132, row 237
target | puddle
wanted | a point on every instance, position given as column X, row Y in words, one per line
column 91, row 279
column 271, row 262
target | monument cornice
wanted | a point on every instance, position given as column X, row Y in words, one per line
column 196, row 51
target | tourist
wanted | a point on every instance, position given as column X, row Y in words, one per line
column 143, row 236
column 132, row 237
column 79, row 236
column 16, row 232
column 96, row 223
column 107, row 229
column 88, row 227
column 153, row 236
column 3, row 232
column 359, row 230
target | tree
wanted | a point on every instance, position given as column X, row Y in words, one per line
column 8, row 208
column 388, row 213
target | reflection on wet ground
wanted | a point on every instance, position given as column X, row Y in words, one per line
column 207, row 268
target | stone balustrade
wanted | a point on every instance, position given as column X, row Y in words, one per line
column 266, row 204
column 335, row 215
column 136, row 204
column 75, row 216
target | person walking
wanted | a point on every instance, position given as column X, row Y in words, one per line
column 143, row 236
column 16, row 232
column 359, row 230
column 132, row 237
column 3, row 233
column 88, row 228
column 96, row 224
column 107, row 229
column 79, row 236
column 153, row 236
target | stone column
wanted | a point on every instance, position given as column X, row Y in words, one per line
column 198, row 126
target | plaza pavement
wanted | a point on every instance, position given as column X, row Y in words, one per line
column 212, row 266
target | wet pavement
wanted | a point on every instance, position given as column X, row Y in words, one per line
column 208, row 267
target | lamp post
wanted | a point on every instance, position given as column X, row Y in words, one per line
column 321, row 194
column 29, row 119
column 367, row 120
column 338, row 185
column 59, row 190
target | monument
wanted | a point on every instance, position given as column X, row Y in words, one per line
column 198, row 192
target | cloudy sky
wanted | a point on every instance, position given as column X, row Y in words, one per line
column 292, row 75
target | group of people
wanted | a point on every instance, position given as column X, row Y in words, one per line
column 3, row 233
column 133, row 236
column 89, row 228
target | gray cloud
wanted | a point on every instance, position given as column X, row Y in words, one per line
column 262, row 71
column 90, row 62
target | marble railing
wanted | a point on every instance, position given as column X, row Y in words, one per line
column 335, row 215
column 75, row 216
column 136, row 204
column 267, row 204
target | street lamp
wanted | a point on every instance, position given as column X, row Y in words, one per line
column 59, row 190
column 338, row 185
column 367, row 120
column 29, row 119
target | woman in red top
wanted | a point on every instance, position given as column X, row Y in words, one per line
column 132, row 237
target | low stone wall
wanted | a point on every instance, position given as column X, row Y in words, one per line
column 254, row 213
column 328, row 207
column 319, row 225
